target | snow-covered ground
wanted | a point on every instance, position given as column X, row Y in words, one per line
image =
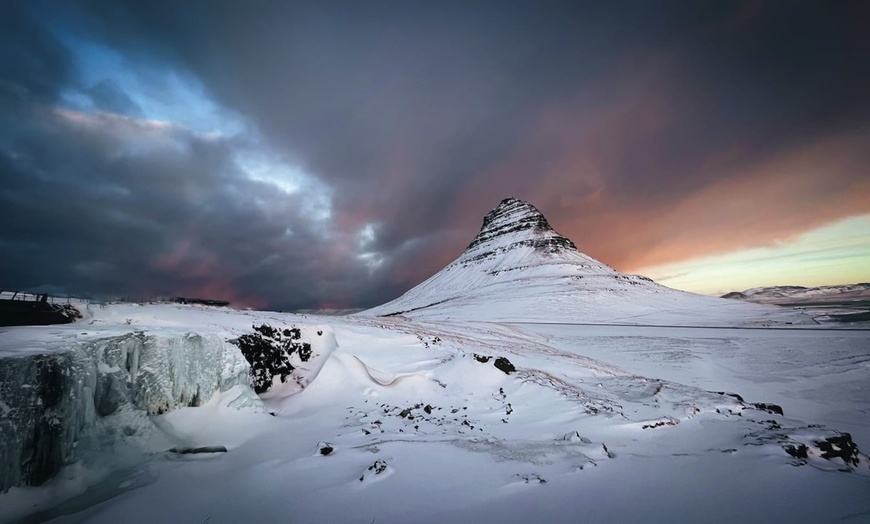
column 596, row 423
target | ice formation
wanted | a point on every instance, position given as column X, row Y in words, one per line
column 49, row 400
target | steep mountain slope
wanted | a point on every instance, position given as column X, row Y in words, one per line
column 519, row 269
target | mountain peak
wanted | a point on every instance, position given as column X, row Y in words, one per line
column 517, row 223
column 518, row 269
column 513, row 209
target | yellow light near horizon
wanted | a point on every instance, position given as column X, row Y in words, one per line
column 835, row 254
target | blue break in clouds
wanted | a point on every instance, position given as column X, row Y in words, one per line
column 108, row 81
column 261, row 165
column 161, row 93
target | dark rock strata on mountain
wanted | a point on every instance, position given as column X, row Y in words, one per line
column 514, row 216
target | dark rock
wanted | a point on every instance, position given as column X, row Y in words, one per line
column 378, row 467
column 534, row 477
column 773, row 409
column 483, row 359
column 735, row 395
column 268, row 351
column 201, row 449
column 839, row 446
column 325, row 448
column 799, row 451
column 660, row 423
column 504, row 365
column 304, row 352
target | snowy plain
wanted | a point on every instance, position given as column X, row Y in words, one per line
column 561, row 439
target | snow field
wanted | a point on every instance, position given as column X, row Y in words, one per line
column 596, row 423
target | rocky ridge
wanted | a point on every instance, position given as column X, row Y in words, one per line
column 517, row 224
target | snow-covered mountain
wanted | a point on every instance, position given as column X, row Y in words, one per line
column 519, row 268
column 798, row 294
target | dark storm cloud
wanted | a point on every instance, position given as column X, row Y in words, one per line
column 33, row 62
column 420, row 117
column 105, row 204
column 388, row 100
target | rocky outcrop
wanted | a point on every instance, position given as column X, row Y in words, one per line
column 516, row 224
column 501, row 363
column 271, row 353
column 514, row 218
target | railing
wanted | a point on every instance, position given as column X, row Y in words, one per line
column 25, row 296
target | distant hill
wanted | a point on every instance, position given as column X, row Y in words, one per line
column 799, row 294
column 840, row 303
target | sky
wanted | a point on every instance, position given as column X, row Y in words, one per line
column 311, row 155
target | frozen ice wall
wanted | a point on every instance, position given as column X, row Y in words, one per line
column 48, row 401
